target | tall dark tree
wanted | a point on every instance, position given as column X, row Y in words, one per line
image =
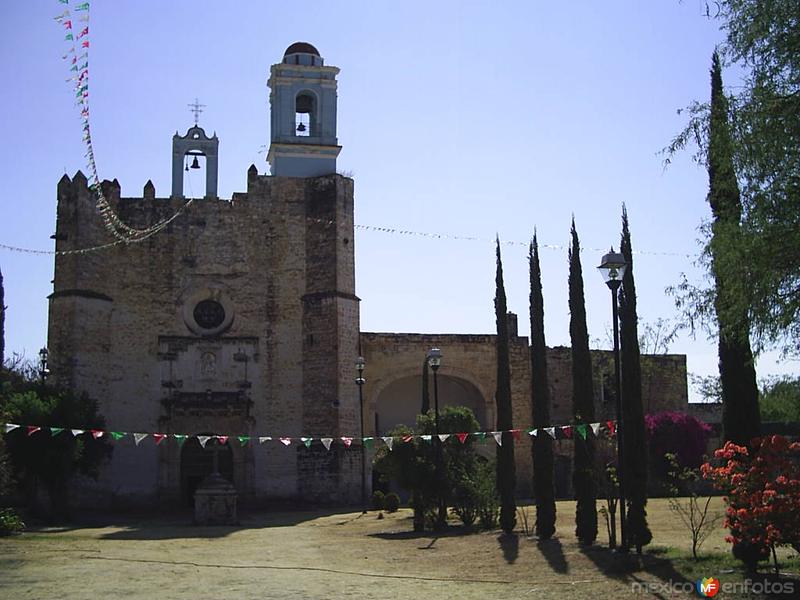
column 543, row 467
column 762, row 39
column 426, row 397
column 583, row 482
column 740, row 416
column 2, row 324
column 506, row 469
column 635, row 450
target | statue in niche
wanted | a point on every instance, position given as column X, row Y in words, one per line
column 208, row 364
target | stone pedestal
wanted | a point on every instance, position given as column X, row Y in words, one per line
column 215, row 502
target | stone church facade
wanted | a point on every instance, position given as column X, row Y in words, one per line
column 240, row 318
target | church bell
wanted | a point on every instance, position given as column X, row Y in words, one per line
column 195, row 164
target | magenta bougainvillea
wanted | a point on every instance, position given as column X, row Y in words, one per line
column 676, row 433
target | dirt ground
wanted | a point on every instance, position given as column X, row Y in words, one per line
column 324, row 555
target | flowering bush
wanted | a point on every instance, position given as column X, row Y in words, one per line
column 678, row 434
column 763, row 495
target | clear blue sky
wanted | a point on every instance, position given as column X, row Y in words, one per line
column 465, row 118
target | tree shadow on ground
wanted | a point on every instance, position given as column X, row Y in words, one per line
column 451, row 531
column 554, row 554
column 150, row 525
column 626, row 567
column 509, row 542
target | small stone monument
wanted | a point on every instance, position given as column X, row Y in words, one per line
column 215, row 499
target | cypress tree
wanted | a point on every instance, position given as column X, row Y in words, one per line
column 635, row 450
column 2, row 323
column 506, row 469
column 542, row 449
column 740, row 417
column 583, row 482
column 426, row 397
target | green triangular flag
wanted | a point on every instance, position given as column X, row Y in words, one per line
column 481, row 435
column 117, row 435
column 243, row 439
column 369, row 442
column 306, row 441
column 180, row 438
column 56, row 430
column 581, row 430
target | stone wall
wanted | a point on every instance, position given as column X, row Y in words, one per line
column 279, row 259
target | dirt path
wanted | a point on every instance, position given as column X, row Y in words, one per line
column 309, row 556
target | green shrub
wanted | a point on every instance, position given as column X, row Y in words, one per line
column 10, row 522
column 391, row 502
column 377, row 500
column 488, row 501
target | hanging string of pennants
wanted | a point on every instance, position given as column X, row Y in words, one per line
column 560, row 432
column 76, row 34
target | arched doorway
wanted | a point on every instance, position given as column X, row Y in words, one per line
column 197, row 463
column 400, row 402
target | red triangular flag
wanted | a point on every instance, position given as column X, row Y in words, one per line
column 515, row 433
column 567, row 431
column 462, row 437
column 222, row 439
column 33, row 429
column 96, row 433
column 158, row 437
column 347, row 441
column 612, row 428
column 407, row 438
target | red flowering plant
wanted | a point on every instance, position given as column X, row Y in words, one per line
column 763, row 495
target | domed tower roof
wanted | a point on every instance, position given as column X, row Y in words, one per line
column 302, row 47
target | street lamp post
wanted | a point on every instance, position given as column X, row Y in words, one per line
column 43, row 370
column 435, row 361
column 612, row 268
column 360, row 381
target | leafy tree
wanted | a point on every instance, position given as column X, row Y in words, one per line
column 412, row 465
column 635, row 448
column 740, row 418
column 506, row 468
column 762, row 493
column 582, row 401
column 780, row 400
column 763, row 42
column 542, row 447
column 47, row 460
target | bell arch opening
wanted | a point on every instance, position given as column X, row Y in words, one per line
column 305, row 115
column 400, row 402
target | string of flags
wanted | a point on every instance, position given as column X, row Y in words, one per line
column 76, row 34
column 560, row 432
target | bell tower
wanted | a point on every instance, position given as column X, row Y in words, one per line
column 303, row 114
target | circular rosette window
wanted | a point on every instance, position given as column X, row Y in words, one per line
column 208, row 312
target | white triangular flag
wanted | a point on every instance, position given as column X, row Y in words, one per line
column 426, row 438
column 388, row 441
column 138, row 437
column 203, row 439
column 595, row 428
column 326, row 442
column 443, row 436
column 551, row 431
column 498, row 437
column 533, row 432
column 286, row 441
column 76, row 431
column 11, row 427
column 264, row 438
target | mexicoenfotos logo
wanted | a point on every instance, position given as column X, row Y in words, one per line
column 707, row 587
